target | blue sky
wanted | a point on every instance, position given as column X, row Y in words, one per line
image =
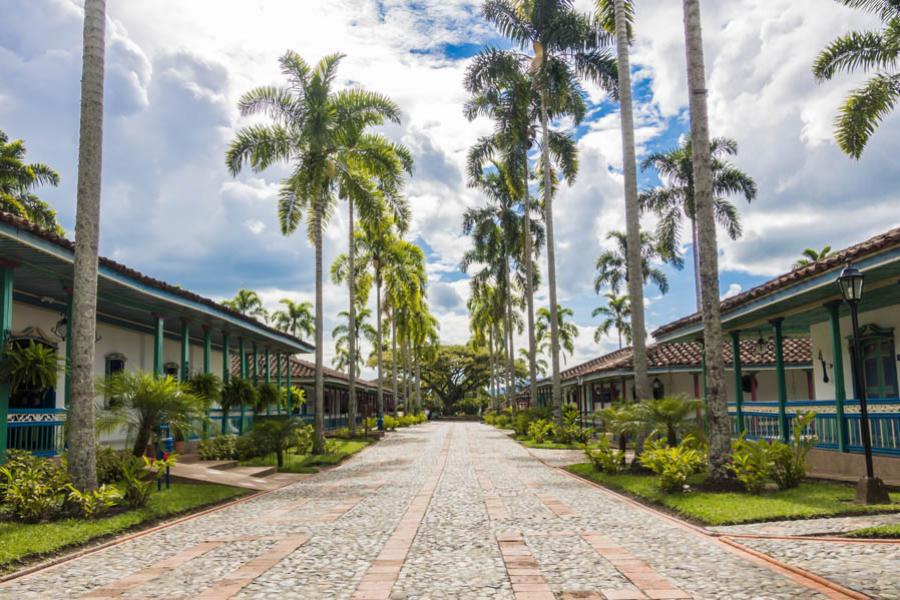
column 176, row 69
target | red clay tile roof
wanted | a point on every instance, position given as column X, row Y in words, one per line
column 49, row 236
column 300, row 370
column 837, row 260
column 797, row 352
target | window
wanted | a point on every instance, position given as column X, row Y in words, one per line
column 659, row 390
column 171, row 369
column 879, row 368
column 115, row 363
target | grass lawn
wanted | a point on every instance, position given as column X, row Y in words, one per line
column 22, row 541
column 810, row 499
column 308, row 463
column 530, row 443
column 881, row 531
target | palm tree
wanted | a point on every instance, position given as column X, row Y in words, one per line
column 296, row 318
column 496, row 230
column 616, row 315
column 405, row 281
column 811, row 256
column 567, row 331
column 541, row 366
column 80, row 419
column 502, row 90
column 705, row 204
column 616, row 17
column 18, row 179
column 666, row 416
column 564, row 48
column 485, row 314
column 612, row 264
column 341, row 335
column 876, row 51
column 248, row 302
column 677, row 200
column 322, row 134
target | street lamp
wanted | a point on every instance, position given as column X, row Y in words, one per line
column 869, row 490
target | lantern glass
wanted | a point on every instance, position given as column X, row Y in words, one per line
column 851, row 283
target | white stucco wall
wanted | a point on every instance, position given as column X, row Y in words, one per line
column 820, row 333
column 136, row 346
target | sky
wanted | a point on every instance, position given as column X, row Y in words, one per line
column 175, row 70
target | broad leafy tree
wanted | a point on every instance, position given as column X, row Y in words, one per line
column 874, row 52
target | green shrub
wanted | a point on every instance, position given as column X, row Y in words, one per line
column 94, row 502
column 298, row 399
column 604, row 458
column 521, row 422
column 501, row 422
column 270, row 435
column 111, row 464
column 789, row 462
column 136, row 489
column 370, row 423
column 390, row 423
column 303, row 439
column 222, row 447
column 157, row 466
column 342, row 433
column 751, row 463
column 571, row 432
column 33, row 492
column 673, row 465
column 541, row 430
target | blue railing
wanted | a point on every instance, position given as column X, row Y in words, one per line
column 38, row 430
column 761, row 421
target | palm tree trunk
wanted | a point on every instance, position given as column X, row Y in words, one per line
column 394, row 359
column 378, row 350
column 632, row 215
column 551, row 261
column 492, row 358
column 82, row 466
column 319, row 435
column 717, row 416
column 351, row 335
column 529, row 293
column 407, row 382
column 511, row 358
column 695, row 252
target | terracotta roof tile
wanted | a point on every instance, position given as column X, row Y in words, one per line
column 837, row 260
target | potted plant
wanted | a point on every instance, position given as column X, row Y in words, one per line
column 207, row 387
column 236, row 392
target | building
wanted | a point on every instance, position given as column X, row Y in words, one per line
column 142, row 324
column 807, row 303
column 677, row 369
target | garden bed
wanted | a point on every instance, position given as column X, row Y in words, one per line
column 310, row 463
column 810, row 499
column 890, row 532
column 530, row 443
column 25, row 542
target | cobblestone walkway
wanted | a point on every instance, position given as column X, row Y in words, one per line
column 444, row 510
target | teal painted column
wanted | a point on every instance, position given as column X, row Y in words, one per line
column 207, row 368
column 837, row 363
column 268, row 367
column 278, row 378
column 6, row 306
column 68, row 374
column 255, row 355
column 158, row 336
column 738, row 378
column 780, row 380
column 290, row 392
column 243, row 363
column 185, row 350
column 226, row 373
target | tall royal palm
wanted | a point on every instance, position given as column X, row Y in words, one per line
column 564, row 48
column 296, row 318
column 612, row 264
column 80, row 420
column 248, row 302
column 616, row 315
column 18, row 180
column 322, row 134
column 616, row 17
column 877, row 51
column 485, row 314
column 567, row 331
column 719, row 424
column 405, row 281
column 677, row 200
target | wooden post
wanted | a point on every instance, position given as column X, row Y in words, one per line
column 780, row 380
column 837, row 362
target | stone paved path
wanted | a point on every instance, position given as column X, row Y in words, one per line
column 444, row 510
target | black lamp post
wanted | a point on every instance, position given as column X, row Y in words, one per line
column 869, row 490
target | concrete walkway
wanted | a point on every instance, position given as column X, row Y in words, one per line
column 446, row 510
